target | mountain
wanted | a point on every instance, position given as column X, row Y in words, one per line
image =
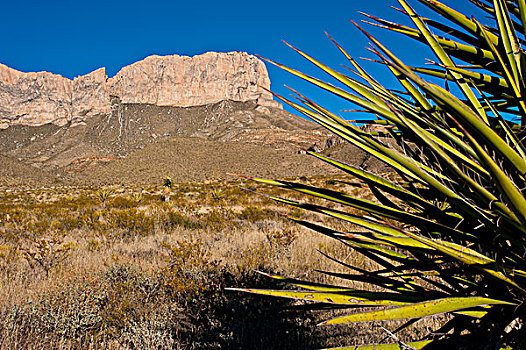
column 43, row 97
column 14, row 173
column 211, row 114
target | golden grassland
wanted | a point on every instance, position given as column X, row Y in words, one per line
column 118, row 267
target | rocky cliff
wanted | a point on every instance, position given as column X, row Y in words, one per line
column 42, row 98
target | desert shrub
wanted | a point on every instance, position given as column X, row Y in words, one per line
column 229, row 321
column 130, row 222
column 70, row 202
column 216, row 194
column 124, row 202
column 255, row 257
column 103, row 195
column 71, row 313
column 182, row 305
column 255, row 214
column 46, row 252
column 71, row 221
column 186, row 268
column 177, row 219
column 215, row 319
column 92, row 219
column 9, row 256
column 218, row 219
column 281, row 239
column 93, row 244
column 86, row 310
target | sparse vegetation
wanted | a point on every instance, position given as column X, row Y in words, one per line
column 151, row 274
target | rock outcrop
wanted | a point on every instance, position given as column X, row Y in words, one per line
column 39, row 98
column 42, row 98
column 90, row 96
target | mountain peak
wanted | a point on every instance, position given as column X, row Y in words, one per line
column 173, row 80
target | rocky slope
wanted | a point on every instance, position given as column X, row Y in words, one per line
column 42, row 98
column 193, row 118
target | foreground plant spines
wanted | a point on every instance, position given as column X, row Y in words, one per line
column 462, row 165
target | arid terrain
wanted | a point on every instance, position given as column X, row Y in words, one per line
column 117, row 267
column 144, row 143
column 96, row 253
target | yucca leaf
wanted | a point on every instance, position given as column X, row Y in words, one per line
column 512, row 137
column 376, row 246
column 417, row 310
column 454, row 152
column 467, row 180
column 484, row 81
column 402, row 287
column 331, row 288
column 451, row 31
column 456, row 222
column 307, row 284
column 354, row 298
column 522, row 15
column 457, row 18
column 472, row 313
column 446, row 134
column 353, row 135
column 398, row 161
column 450, row 102
column 378, row 109
column 508, row 38
column 357, row 203
column 374, row 278
column 395, row 346
column 379, row 181
column 457, row 49
column 508, row 188
column 376, row 87
column 378, row 249
column 510, row 78
column 444, row 58
column 456, row 106
column 399, row 237
column 352, row 84
column 467, row 256
column 371, row 121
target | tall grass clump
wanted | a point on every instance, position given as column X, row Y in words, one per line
column 447, row 234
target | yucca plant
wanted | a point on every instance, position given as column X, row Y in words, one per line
column 103, row 196
column 167, row 188
column 449, row 235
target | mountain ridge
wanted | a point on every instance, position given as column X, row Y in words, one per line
column 37, row 98
column 196, row 118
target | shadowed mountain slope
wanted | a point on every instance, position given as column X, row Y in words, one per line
column 140, row 143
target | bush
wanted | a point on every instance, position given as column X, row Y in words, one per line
column 180, row 306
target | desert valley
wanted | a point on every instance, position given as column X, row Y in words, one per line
column 122, row 222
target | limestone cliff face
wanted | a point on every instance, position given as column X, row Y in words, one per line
column 89, row 95
column 26, row 98
column 41, row 98
column 191, row 81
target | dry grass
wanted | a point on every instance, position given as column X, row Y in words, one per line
column 119, row 268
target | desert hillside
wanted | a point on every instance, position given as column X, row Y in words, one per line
column 194, row 119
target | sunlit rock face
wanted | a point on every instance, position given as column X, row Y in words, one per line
column 41, row 98
column 34, row 98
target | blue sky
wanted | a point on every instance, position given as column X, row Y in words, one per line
column 72, row 38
